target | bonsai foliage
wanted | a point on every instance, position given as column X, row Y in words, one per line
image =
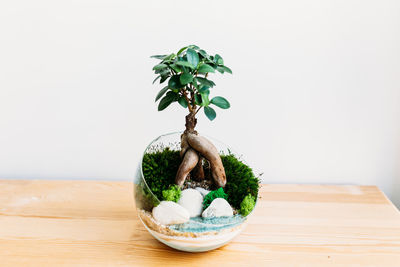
column 186, row 76
column 173, row 193
column 219, row 193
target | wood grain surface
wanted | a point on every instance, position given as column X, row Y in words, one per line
column 80, row 223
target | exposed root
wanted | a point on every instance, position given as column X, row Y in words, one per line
column 192, row 144
column 218, row 173
column 210, row 152
column 203, row 146
column 184, row 145
column 198, row 171
column 188, row 163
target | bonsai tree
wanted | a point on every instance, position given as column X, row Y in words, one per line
column 186, row 74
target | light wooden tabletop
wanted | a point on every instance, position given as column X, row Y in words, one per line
column 53, row 223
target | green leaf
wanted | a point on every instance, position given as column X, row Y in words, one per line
column 204, row 98
column 164, row 78
column 158, row 77
column 162, row 72
column 181, row 50
column 161, row 93
column 175, row 68
column 167, row 100
column 194, row 47
column 203, row 88
column 203, row 53
column 220, row 69
column 197, row 99
column 210, row 113
column 220, row 102
column 159, row 56
column 218, row 59
column 184, row 64
column 169, row 57
column 174, row 82
column 194, row 83
column 204, row 68
column 226, row 69
column 160, row 66
column 182, row 101
column 192, row 57
column 205, row 81
column 186, row 78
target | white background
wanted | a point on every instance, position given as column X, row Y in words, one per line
column 315, row 93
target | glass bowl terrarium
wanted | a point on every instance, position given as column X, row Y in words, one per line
column 155, row 182
column 192, row 193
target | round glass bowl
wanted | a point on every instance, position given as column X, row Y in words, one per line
column 198, row 234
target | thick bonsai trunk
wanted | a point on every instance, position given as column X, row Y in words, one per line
column 193, row 149
column 191, row 122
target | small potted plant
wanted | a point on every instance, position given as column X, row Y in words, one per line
column 192, row 193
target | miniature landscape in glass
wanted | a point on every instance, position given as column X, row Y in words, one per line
column 188, row 185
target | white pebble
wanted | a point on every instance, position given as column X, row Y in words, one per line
column 169, row 212
column 192, row 201
column 219, row 207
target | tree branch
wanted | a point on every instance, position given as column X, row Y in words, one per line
column 198, row 110
column 183, row 91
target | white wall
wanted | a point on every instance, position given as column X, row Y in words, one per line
column 315, row 93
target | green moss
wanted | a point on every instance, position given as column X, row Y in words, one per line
column 241, row 180
column 247, row 205
column 159, row 169
column 219, row 193
column 173, row 193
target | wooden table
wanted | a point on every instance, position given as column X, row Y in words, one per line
column 94, row 223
